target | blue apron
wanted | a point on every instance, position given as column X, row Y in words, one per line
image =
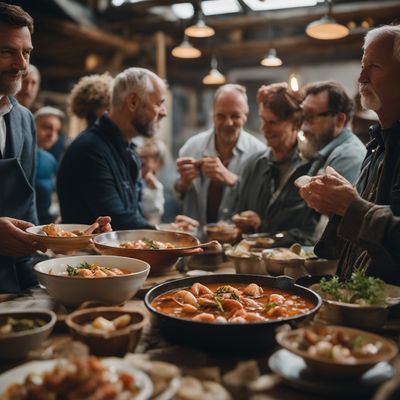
column 16, row 197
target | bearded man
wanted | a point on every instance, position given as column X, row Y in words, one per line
column 327, row 110
column 100, row 172
column 17, row 153
column 364, row 230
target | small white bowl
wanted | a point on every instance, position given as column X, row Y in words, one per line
column 73, row 291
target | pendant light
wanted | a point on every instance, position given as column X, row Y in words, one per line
column 271, row 59
column 214, row 77
column 326, row 28
column 199, row 29
column 186, row 50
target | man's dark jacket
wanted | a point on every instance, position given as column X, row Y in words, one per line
column 99, row 176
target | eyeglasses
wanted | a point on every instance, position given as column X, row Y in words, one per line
column 311, row 117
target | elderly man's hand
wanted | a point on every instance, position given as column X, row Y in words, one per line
column 216, row 171
column 329, row 194
column 188, row 169
column 15, row 242
column 247, row 221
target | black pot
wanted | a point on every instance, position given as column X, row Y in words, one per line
column 227, row 338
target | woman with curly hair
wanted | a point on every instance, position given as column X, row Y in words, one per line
column 90, row 97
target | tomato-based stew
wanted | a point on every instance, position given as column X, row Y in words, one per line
column 231, row 303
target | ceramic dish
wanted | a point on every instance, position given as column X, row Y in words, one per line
column 73, row 291
column 295, row 372
column 325, row 349
column 18, row 375
column 16, row 345
column 62, row 244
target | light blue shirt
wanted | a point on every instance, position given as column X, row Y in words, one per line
column 203, row 145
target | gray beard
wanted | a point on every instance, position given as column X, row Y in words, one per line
column 307, row 149
column 147, row 130
column 11, row 89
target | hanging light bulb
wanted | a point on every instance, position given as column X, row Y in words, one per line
column 294, row 83
column 327, row 28
column 271, row 59
column 186, row 50
column 214, row 77
column 199, row 29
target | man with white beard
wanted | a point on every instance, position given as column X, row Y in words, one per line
column 364, row 230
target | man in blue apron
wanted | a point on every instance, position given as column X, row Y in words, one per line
column 17, row 144
column 17, row 156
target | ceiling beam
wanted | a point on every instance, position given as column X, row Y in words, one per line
column 129, row 47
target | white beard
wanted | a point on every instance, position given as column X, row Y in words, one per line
column 369, row 99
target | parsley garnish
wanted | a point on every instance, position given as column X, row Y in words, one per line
column 218, row 304
column 268, row 306
column 151, row 243
column 359, row 286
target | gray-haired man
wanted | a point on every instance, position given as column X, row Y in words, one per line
column 99, row 173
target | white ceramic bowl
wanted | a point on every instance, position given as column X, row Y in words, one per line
column 16, row 345
column 73, row 291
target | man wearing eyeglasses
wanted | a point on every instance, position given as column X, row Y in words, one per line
column 364, row 230
column 327, row 110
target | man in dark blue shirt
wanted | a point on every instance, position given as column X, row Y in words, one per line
column 99, row 174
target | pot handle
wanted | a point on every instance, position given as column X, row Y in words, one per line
column 289, row 279
column 189, row 252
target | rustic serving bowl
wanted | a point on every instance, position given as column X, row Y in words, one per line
column 334, row 368
column 62, row 244
column 16, row 345
column 370, row 317
column 73, row 291
column 160, row 260
column 227, row 338
column 115, row 343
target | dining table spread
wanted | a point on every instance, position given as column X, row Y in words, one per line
column 179, row 372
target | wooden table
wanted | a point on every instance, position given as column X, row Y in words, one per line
column 188, row 360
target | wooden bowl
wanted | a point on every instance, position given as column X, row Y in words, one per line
column 115, row 343
column 160, row 260
column 62, row 244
